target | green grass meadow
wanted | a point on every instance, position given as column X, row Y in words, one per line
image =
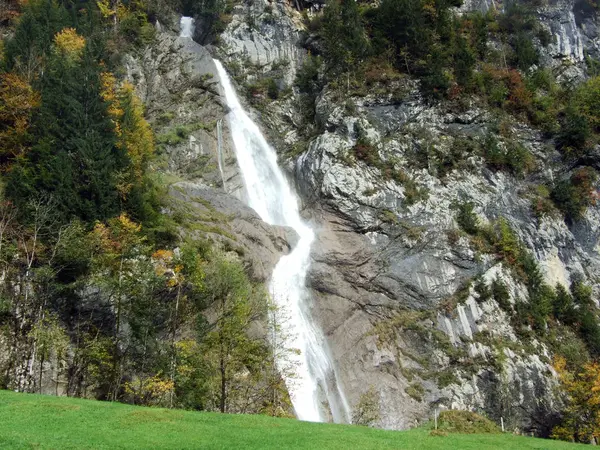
column 29, row 421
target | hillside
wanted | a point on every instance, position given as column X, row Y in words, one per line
column 344, row 211
column 35, row 421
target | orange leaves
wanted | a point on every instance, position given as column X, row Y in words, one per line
column 164, row 266
column 18, row 100
column 120, row 235
column 582, row 415
column 163, row 255
column 69, row 43
column 134, row 134
column 518, row 98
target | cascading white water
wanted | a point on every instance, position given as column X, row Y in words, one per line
column 220, row 150
column 187, row 27
column 270, row 195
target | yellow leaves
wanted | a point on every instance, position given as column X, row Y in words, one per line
column 430, row 10
column 163, row 255
column 17, row 102
column 137, row 137
column 133, row 132
column 582, row 415
column 150, row 390
column 16, row 94
column 560, row 365
column 186, row 348
column 128, row 225
column 69, row 43
column 108, row 92
column 163, row 263
column 105, row 8
column 119, row 236
column 115, row 9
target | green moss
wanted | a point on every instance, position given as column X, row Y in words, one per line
column 388, row 216
column 446, row 378
column 415, row 391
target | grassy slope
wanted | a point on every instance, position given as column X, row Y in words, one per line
column 35, row 421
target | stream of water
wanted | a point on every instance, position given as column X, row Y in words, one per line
column 315, row 391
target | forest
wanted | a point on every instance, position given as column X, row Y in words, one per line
column 101, row 292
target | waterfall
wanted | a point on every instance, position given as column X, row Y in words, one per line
column 270, row 195
column 187, row 27
column 220, row 150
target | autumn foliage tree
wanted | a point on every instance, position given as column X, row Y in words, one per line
column 18, row 101
column 581, row 417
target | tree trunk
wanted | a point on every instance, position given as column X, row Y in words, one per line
column 41, row 372
column 223, row 371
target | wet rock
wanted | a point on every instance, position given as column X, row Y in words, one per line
column 234, row 226
column 177, row 80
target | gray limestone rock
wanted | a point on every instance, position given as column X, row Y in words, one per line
column 234, row 226
column 177, row 80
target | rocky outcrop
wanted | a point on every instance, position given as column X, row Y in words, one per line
column 381, row 254
column 177, row 80
column 264, row 34
column 572, row 33
column 233, row 226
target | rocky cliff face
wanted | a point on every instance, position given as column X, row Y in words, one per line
column 391, row 270
column 178, row 82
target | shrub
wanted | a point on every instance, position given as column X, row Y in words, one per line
column 415, row 391
column 519, row 160
column 493, row 154
column 366, row 411
column 485, row 293
column 541, row 203
column 365, row 151
column 465, row 422
column 272, row 89
column 505, row 88
column 575, row 195
column 575, row 133
column 307, row 77
column 587, row 102
column 526, row 55
column 446, row 378
column 501, row 295
column 467, row 219
column 563, row 307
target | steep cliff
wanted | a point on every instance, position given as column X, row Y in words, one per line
column 393, row 276
column 400, row 288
